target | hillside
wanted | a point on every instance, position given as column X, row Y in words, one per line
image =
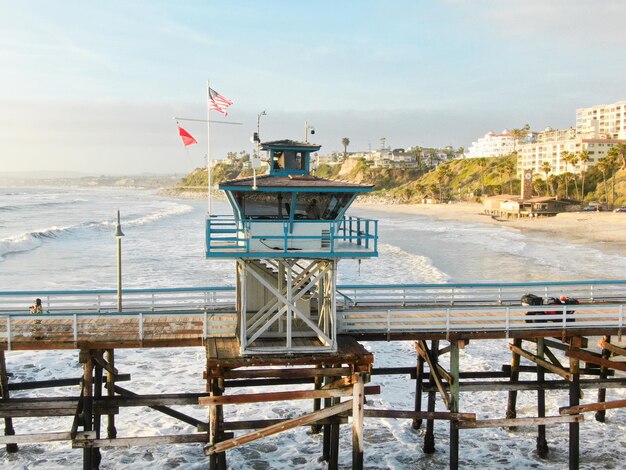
column 460, row 179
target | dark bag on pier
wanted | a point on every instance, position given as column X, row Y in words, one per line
column 531, row 299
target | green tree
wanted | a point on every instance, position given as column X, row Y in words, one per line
column 612, row 165
column 546, row 168
column 443, row 175
column 567, row 158
column 345, row 142
column 519, row 134
column 509, row 167
column 482, row 164
column 619, row 152
column 603, row 167
column 583, row 158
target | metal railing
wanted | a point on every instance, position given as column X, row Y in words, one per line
column 352, row 236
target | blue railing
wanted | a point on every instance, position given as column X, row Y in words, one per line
column 351, row 237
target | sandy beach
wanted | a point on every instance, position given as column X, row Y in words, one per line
column 580, row 227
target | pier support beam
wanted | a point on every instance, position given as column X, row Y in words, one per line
column 4, row 389
column 429, row 437
column 574, row 400
column 601, row 414
column 542, row 443
column 111, row 430
column 419, row 377
column 358, row 396
column 454, row 404
column 91, row 455
column 511, row 412
column 217, row 461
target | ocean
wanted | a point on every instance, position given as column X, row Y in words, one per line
column 62, row 238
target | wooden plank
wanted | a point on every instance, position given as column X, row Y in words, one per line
column 611, row 347
column 422, row 349
column 410, row 414
column 607, row 405
column 283, row 396
column 263, row 423
column 303, row 420
column 595, row 359
column 542, row 362
column 35, row 438
column 138, row 441
column 516, row 422
column 285, row 373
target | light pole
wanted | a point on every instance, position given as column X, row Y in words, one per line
column 308, row 129
column 118, row 235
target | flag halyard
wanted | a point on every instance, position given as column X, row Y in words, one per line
column 218, row 102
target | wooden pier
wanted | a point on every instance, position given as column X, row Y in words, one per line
column 584, row 357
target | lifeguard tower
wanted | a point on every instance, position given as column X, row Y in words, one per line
column 287, row 233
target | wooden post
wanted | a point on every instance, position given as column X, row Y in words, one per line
column 4, row 388
column 317, row 404
column 358, row 394
column 429, row 437
column 419, row 377
column 89, row 460
column 216, row 461
column 333, row 461
column 601, row 414
column 454, row 404
column 542, row 444
column 574, row 400
column 97, row 419
column 512, row 401
column 111, row 431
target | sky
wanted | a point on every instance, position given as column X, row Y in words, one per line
column 93, row 87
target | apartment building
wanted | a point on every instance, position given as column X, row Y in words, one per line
column 497, row 145
column 604, row 119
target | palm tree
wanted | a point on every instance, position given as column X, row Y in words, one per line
column 583, row 158
column 567, row 158
column 603, row 167
column 519, row 134
column 509, row 169
column 345, row 142
column 546, row 168
column 612, row 164
column 619, row 151
column 443, row 174
column 573, row 159
column 482, row 164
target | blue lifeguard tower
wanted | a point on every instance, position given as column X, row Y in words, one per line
column 287, row 232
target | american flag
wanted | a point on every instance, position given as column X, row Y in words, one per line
column 218, row 102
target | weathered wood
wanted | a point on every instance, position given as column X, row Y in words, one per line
column 511, row 407
column 516, row 422
column 454, row 404
column 263, row 423
column 11, row 447
column 358, row 396
column 542, row 362
column 278, row 428
column 342, row 382
column 284, row 373
column 163, row 409
column 139, row 441
column 429, row 436
column 542, row 443
column 284, row 396
column 595, row 358
column 605, row 343
column 606, row 354
column 34, row 385
column 435, row 369
column 419, row 377
column 607, row 405
column 410, row 414
column 574, row 400
column 35, row 438
column 99, row 360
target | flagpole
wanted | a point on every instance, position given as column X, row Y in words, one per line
column 208, row 154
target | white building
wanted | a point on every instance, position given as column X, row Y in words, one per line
column 603, row 120
column 497, row 145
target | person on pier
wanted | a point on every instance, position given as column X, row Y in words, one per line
column 36, row 307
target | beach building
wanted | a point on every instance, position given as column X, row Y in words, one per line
column 497, row 145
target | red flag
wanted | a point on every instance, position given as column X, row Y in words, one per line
column 186, row 136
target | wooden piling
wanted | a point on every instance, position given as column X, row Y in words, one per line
column 317, row 402
column 111, row 430
column 4, row 389
column 90, row 461
column 358, row 395
column 454, row 404
column 606, row 354
column 511, row 411
column 574, row 400
column 429, row 437
column 419, row 377
column 542, row 443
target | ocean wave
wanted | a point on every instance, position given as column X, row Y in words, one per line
column 394, row 265
column 31, row 240
column 174, row 210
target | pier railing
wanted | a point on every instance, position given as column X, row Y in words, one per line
column 187, row 316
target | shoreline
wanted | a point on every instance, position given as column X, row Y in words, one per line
column 579, row 227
